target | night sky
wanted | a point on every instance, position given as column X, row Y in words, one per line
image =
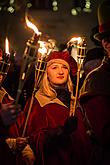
column 60, row 25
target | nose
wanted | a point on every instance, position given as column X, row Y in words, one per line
column 61, row 71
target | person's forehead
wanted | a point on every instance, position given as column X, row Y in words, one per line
column 58, row 63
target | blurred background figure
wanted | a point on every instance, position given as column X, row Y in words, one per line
column 94, row 31
column 8, row 110
column 94, row 56
column 95, row 92
column 93, row 59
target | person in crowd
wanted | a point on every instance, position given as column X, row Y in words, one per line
column 95, row 42
column 55, row 136
column 8, row 110
column 93, row 59
column 94, row 55
column 12, row 81
column 95, row 93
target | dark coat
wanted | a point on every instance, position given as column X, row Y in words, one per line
column 95, row 101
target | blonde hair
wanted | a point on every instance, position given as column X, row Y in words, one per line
column 49, row 91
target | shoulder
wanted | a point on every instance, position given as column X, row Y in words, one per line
column 96, row 82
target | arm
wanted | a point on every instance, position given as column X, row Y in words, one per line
column 8, row 116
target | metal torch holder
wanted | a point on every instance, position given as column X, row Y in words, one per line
column 29, row 57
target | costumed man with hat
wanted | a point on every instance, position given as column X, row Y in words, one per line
column 56, row 137
column 94, row 55
column 95, row 93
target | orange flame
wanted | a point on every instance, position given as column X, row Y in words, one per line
column 32, row 26
column 7, row 46
column 77, row 40
column 42, row 49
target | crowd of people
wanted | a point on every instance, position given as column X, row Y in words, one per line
column 46, row 129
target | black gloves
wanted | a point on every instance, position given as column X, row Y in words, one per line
column 9, row 113
column 8, row 116
column 59, row 136
column 70, row 125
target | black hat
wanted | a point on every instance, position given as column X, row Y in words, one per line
column 94, row 31
column 94, row 53
column 103, row 20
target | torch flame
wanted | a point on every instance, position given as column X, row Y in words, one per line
column 32, row 26
column 77, row 40
column 45, row 47
column 42, row 49
column 7, row 46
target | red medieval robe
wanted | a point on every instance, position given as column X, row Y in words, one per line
column 5, row 152
column 46, row 115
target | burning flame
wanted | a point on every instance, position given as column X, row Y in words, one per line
column 42, row 49
column 76, row 40
column 51, row 45
column 32, row 26
column 7, row 46
column 78, row 48
column 45, row 47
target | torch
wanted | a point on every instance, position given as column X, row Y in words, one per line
column 78, row 52
column 5, row 60
column 44, row 50
column 29, row 56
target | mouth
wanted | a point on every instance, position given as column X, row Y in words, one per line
column 60, row 77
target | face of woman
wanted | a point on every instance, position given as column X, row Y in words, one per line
column 57, row 73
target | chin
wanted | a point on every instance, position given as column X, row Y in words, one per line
column 61, row 83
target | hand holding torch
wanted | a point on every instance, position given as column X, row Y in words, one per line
column 44, row 50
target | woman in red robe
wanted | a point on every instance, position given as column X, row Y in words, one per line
column 55, row 137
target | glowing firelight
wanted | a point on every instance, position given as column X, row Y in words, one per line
column 32, row 26
column 7, row 46
column 42, row 49
column 46, row 47
column 75, row 40
column 78, row 48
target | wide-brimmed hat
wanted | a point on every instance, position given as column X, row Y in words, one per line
column 94, row 31
column 64, row 56
column 94, row 53
column 103, row 14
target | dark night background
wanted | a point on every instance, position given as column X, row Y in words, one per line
column 59, row 25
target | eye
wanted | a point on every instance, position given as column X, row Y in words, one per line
column 65, row 67
column 54, row 67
